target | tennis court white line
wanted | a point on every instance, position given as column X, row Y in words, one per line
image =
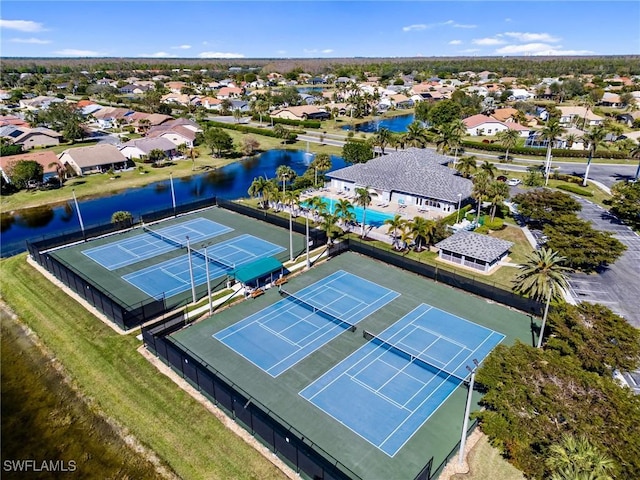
column 384, row 397
column 279, row 334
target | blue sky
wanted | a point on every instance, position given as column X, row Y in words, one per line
column 306, row 29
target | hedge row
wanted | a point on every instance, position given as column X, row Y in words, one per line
column 247, row 129
column 295, row 123
column 452, row 217
column 541, row 152
column 575, row 189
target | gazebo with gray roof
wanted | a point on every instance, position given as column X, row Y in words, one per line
column 413, row 177
column 473, row 250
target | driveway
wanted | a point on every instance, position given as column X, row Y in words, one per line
column 618, row 286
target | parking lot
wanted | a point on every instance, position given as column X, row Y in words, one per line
column 618, row 286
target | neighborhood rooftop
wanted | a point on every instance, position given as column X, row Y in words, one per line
column 414, row 171
column 475, row 245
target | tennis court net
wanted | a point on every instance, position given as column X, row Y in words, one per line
column 412, row 358
column 223, row 263
column 323, row 313
column 164, row 238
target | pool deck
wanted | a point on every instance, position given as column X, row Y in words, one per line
column 408, row 212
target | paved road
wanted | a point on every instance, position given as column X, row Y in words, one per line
column 618, row 286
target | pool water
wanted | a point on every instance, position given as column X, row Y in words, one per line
column 374, row 218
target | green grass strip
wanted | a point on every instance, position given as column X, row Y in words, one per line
column 107, row 368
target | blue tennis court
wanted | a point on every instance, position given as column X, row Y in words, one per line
column 279, row 336
column 401, row 387
column 172, row 277
column 146, row 245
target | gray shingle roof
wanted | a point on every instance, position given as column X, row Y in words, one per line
column 148, row 144
column 475, row 245
column 414, row 171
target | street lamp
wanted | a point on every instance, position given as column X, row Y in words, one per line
column 75, row 200
column 306, row 217
column 459, row 200
column 173, row 193
column 465, row 421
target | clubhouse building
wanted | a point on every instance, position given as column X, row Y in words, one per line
column 414, row 176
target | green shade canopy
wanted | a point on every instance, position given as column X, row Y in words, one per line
column 257, row 269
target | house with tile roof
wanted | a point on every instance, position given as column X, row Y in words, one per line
column 302, row 112
column 411, row 177
column 177, row 134
column 94, row 159
column 578, row 114
column 480, row 125
column 31, row 137
column 48, row 159
column 473, row 250
column 141, row 147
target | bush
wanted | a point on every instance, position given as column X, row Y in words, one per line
column 295, row 123
column 452, row 217
column 482, row 229
column 247, row 129
column 541, row 152
column 495, row 224
column 575, row 189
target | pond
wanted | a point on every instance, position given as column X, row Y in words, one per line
column 397, row 124
column 230, row 182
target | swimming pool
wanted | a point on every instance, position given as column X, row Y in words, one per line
column 374, row 218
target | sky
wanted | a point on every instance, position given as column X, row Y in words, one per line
column 317, row 28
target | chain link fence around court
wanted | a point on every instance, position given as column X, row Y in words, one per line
column 302, row 455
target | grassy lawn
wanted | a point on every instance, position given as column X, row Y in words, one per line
column 486, row 462
column 52, row 421
column 521, row 247
column 121, row 384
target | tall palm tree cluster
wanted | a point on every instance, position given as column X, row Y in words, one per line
column 485, row 185
column 418, row 232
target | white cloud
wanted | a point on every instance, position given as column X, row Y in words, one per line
column 74, row 52
column 32, row 40
column 455, row 42
column 418, row 27
column 327, row 50
column 281, row 52
column 21, row 25
column 157, row 55
column 220, row 55
column 539, row 49
column 532, row 37
column 181, row 47
column 470, row 50
column 487, row 41
column 424, row 26
column 312, row 51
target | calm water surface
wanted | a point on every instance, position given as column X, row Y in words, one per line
column 229, row 182
column 397, row 124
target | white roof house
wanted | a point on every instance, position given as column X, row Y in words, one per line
column 93, row 159
column 141, row 147
column 411, row 177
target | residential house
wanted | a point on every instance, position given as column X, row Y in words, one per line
column 175, row 87
column 411, row 177
column 229, row 92
column 481, row 125
column 141, row 147
column 178, row 135
column 628, row 118
column 211, row 103
column 401, row 101
column 32, row 137
column 13, row 120
column 303, row 112
column 40, row 102
column 610, row 100
column 578, row 115
column 49, row 160
column 520, row 94
column 184, row 122
column 94, row 159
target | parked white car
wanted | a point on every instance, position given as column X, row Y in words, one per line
column 512, row 182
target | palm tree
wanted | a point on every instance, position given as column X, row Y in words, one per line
column 363, row 198
column 260, row 107
column 285, row 172
column 467, row 166
column 449, row 137
column 592, row 140
column 422, row 229
column 344, row 211
column 416, row 135
column 542, row 277
column 508, row 139
column 270, row 193
column 61, row 172
column 587, row 101
column 489, row 168
column 330, row 226
column 497, row 193
column 394, row 224
column 550, row 132
column 577, row 459
column 635, row 153
column 382, row 138
column 318, row 206
column 257, row 188
column 480, row 187
column 321, row 163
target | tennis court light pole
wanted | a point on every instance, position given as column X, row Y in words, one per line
column 75, row 200
column 193, row 283
column 173, row 193
column 306, row 217
column 290, row 235
column 465, row 421
column 206, row 265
